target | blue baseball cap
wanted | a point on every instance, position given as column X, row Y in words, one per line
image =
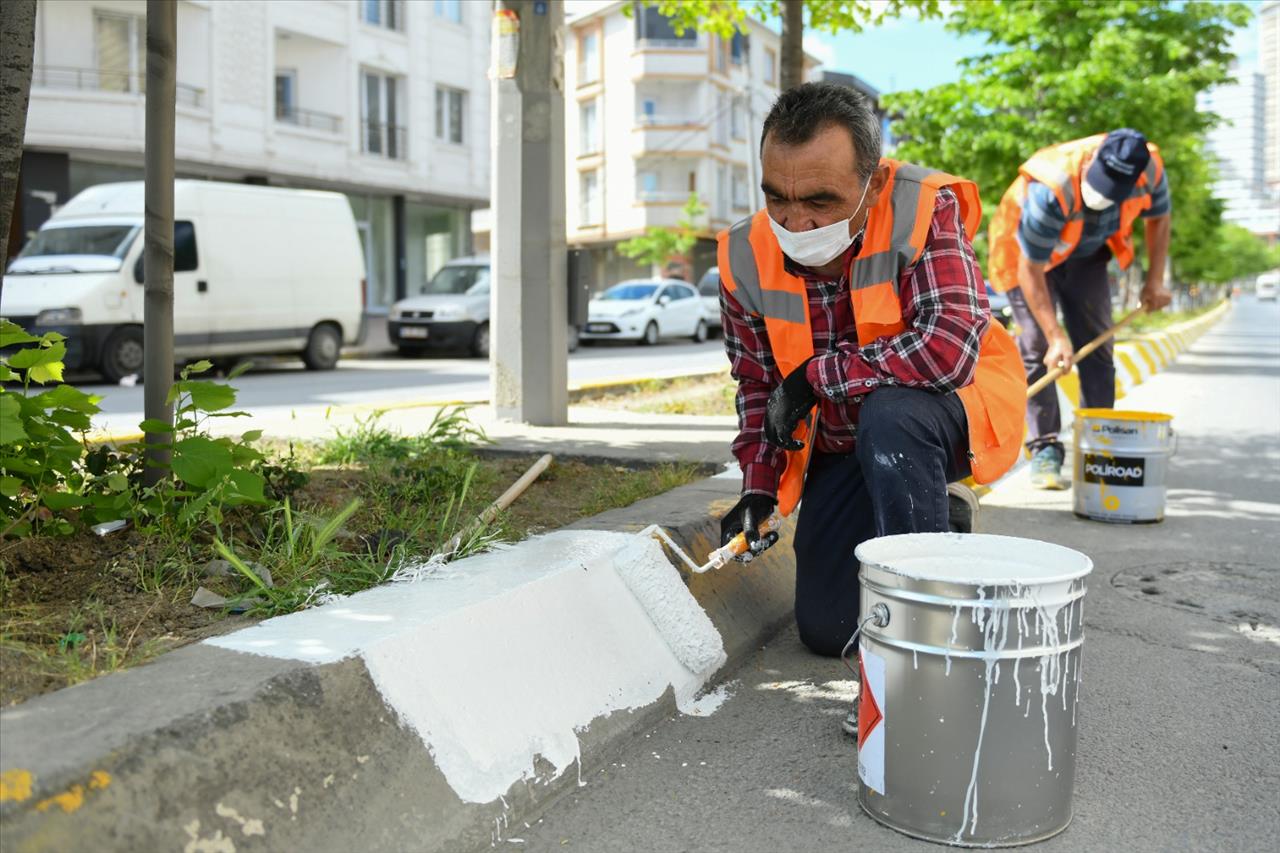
column 1121, row 159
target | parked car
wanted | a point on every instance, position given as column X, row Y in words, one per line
column 1268, row 285
column 257, row 270
column 450, row 312
column 646, row 310
column 1000, row 308
column 709, row 293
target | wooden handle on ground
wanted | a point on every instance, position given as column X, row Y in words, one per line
column 505, row 500
column 1084, row 352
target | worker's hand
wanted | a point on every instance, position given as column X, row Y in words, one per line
column 746, row 517
column 1155, row 297
column 788, row 403
column 1060, row 352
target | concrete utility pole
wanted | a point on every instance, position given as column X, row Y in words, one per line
column 529, row 371
column 157, row 317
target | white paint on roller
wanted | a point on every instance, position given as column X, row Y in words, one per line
column 509, row 655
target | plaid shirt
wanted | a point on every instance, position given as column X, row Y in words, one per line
column 944, row 307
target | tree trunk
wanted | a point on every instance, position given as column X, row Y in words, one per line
column 792, row 43
column 17, row 44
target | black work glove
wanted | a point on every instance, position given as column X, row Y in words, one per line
column 746, row 517
column 788, row 403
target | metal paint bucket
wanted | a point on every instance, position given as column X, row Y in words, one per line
column 970, row 658
column 1121, row 465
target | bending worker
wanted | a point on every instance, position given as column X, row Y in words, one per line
column 1071, row 210
column 856, row 290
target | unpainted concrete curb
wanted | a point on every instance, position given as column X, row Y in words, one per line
column 209, row 749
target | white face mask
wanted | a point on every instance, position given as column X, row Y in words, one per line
column 820, row 246
column 1093, row 199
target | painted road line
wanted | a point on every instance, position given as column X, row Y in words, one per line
column 1130, row 368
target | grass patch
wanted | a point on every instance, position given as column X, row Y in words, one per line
column 690, row 395
column 351, row 511
column 1145, row 323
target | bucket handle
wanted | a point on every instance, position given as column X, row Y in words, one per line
column 880, row 616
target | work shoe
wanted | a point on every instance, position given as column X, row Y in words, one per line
column 849, row 725
column 1046, row 469
column 962, row 508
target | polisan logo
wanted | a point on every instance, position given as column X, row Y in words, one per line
column 1114, row 471
column 1115, row 430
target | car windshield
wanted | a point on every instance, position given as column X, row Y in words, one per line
column 629, row 291
column 457, row 280
column 106, row 241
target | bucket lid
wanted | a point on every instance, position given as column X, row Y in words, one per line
column 1123, row 415
column 974, row 558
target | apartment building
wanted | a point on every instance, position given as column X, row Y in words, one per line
column 1239, row 146
column 386, row 101
column 652, row 116
column 1269, row 65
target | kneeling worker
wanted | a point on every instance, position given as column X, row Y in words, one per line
column 1071, row 209
column 856, row 289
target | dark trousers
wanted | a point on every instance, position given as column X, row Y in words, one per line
column 1080, row 288
column 911, row 443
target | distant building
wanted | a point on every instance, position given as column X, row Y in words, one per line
column 651, row 117
column 855, row 82
column 1269, row 62
column 384, row 100
column 1239, row 147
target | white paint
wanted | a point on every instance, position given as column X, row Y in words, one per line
column 709, row 702
column 974, row 558
column 216, row 843
column 512, row 653
column 249, row 826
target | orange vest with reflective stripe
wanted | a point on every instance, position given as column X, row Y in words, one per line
column 1059, row 167
column 751, row 268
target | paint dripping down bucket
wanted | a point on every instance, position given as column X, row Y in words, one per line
column 970, row 686
column 1121, row 465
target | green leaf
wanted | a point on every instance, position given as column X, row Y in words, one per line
column 209, row 396
column 247, row 486
column 199, row 461
column 202, row 366
column 251, row 435
column 10, row 486
column 68, row 397
column 7, row 375
column 42, row 373
column 36, row 356
column 72, row 420
column 19, row 464
column 240, row 370
column 11, row 334
column 11, row 428
column 58, row 501
column 156, row 426
column 117, row 482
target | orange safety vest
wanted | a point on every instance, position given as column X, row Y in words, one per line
column 1059, row 167
column 751, row 268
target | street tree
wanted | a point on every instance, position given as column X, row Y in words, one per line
column 659, row 245
column 724, row 17
column 1058, row 70
column 17, row 45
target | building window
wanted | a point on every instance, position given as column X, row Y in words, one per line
column 770, row 66
column 741, row 197
column 120, row 44
column 589, row 126
column 721, row 48
column 647, row 186
column 383, row 124
column 286, row 94
column 738, row 48
column 589, row 197
column 451, row 105
column 653, row 29
column 383, row 13
column 737, row 119
column 450, row 10
column 588, row 57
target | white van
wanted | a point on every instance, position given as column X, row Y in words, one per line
column 257, row 270
column 1268, row 285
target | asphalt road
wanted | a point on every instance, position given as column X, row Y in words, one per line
column 1179, row 737
column 283, row 386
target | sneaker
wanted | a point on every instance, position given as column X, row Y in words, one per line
column 849, row 725
column 1046, row 469
column 962, row 508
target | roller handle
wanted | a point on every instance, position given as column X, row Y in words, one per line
column 738, row 544
column 1082, row 353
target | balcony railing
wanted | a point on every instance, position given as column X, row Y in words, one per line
column 667, row 44
column 312, row 119
column 666, row 196
column 384, row 140
column 661, row 120
column 93, row 79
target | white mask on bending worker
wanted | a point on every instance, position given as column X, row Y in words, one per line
column 820, row 246
column 1093, row 199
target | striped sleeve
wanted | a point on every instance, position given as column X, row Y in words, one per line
column 1041, row 224
column 1160, row 203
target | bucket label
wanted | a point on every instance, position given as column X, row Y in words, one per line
column 871, row 713
column 1114, row 470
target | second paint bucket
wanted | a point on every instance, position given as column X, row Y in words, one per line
column 1121, row 465
column 970, row 685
